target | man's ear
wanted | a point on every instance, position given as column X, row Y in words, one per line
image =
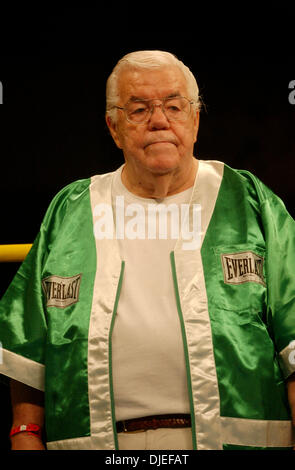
column 114, row 132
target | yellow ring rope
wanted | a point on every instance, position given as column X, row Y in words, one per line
column 14, row 253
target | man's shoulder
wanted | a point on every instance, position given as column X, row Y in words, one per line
column 81, row 186
column 253, row 187
column 230, row 174
column 248, row 181
column 228, row 170
column 240, row 180
column 75, row 193
column 241, row 174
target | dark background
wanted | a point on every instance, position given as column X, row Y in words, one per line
column 54, row 65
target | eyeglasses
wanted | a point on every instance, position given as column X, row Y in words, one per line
column 139, row 111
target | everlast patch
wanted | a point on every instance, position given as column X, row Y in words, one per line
column 61, row 291
column 242, row 267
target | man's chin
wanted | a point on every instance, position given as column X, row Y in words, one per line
column 161, row 165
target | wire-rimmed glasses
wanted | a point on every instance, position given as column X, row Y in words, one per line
column 139, row 111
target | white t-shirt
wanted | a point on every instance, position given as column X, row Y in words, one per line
column 149, row 372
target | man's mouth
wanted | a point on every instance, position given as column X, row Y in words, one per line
column 160, row 142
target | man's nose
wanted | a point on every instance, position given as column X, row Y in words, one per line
column 158, row 119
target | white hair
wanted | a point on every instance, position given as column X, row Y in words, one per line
column 148, row 60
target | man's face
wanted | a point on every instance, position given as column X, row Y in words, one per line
column 158, row 145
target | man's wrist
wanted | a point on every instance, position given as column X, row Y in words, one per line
column 30, row 429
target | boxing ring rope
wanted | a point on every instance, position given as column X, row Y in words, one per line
column 14, row 253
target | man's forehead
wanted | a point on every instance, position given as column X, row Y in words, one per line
column 142, row 83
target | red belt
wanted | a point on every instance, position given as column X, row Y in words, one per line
column 154, row 422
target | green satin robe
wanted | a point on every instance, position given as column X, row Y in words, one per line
column 235, row 297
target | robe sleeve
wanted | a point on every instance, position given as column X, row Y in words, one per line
column 23, row 322
column 279, row 232
column 279, row 229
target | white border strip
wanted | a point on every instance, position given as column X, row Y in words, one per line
column 104, row 295
column 22, row 369
column 78, row 443
column 194, row 306
column 257, row 433
column 235, row 431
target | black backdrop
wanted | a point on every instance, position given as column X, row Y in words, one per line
column 53, row 68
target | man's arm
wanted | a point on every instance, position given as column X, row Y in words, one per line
column 291, row 397
column 27, row 407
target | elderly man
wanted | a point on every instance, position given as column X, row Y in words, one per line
column 157, row 305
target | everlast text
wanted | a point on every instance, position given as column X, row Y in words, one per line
column 242, row 267
column 61, row 291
